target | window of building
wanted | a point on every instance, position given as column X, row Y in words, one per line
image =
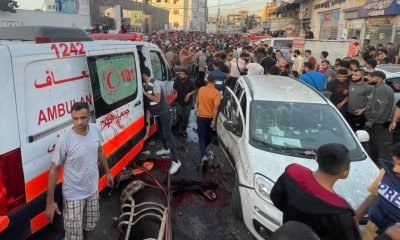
column 176, row 12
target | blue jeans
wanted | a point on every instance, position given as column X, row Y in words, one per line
column 164, row 129
column 204, row 134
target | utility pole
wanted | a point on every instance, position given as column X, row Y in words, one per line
column 219, row 4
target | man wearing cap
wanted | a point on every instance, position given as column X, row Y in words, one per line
column 377, row 111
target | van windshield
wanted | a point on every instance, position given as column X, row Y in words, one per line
column 286, row 126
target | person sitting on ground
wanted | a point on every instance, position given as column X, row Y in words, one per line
column 308, row 197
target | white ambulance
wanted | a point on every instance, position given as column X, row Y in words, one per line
column 43, row 71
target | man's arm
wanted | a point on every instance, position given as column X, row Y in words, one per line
column 187, row 97
column 155, row 98
column 343, row 102
column 104, row 164
column 362, row 210
column 51, row 205
column 395, row 119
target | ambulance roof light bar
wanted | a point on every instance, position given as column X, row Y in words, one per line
column 44, row 34
column 118, row 36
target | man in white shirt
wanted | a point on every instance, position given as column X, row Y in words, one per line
column 298, row 61
column 254, row 68
column 79, row 151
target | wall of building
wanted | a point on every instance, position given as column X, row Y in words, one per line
column 327, row 21
column 377, row 21
column 152, row 18
column 40, row 18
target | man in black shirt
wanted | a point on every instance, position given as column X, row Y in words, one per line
column 340, row 90
column 267, row 62
column 184, row 88
column 309, row 34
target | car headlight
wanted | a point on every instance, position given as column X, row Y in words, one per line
column 263, row 187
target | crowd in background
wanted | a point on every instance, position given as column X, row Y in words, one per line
column 353, row 85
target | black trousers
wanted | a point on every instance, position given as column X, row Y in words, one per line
column 396, row 134
column 183, row 112
column 356, row 122
column 376, row 136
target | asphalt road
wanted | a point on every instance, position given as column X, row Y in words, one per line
column 193, row 216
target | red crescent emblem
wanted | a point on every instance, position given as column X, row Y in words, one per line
column 108, row 80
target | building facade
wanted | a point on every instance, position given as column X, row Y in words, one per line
column 186, row 15
column 41, row 18
column 140, row 16
column 378, row 21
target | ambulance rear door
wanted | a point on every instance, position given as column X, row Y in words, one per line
column 118, row 103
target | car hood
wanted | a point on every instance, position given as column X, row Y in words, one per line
column 353, row 188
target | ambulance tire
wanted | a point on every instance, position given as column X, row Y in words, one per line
column 236, row 203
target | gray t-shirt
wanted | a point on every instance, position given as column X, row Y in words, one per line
column 154, row 87
column 379, row 104
column 358, row 94
column 79, row 156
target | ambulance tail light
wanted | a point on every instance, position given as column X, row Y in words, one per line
column 12, row 183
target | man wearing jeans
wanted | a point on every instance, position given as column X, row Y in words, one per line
column 157, row 104
column 208, row 101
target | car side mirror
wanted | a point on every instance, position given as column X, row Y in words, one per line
column 231, row 126
column 362, row 136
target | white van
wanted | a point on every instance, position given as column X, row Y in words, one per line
column 44, row 70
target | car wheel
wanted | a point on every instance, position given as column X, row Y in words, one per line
column 236, row 203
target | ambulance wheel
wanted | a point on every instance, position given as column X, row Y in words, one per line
column 236, row 203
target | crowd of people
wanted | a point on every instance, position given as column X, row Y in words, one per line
column 207, row 64
column 359, row 93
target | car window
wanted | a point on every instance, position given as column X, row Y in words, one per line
column 158, row 66
column 120, row 84
column 307, row 126
column 230, row 109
